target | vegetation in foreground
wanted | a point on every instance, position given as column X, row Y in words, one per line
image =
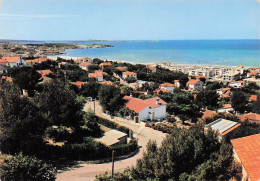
column 184, row 155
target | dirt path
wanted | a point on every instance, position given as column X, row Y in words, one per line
column 89, row 171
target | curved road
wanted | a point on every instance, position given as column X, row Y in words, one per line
column 89, row 171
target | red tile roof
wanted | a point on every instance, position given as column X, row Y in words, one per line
column 138, row 105
column 225, row 106
column 253, row 98
column 129, row 73
column 10, row 59
column 85, row 64
column 253, row 117
column 248, row 151
column 96, row 74
column 79, row 84
column 152, row 102
column 157, row 91
column 8, row 79
column 107, row 83
column 135, row 104
column 121, row 68
column 44, row 73
column 167, row 85
column 150, row 68
column 192, row 82
column 208, row 113
column 105, row 64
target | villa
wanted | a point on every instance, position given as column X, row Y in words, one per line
column 153, row 108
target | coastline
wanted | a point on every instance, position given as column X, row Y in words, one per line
column 54, row 57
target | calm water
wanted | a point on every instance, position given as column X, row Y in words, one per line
column 214, row 52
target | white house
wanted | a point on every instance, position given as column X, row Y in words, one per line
column 194, row 85
column 151, row 69
column 225, row 108
column 129, row 74
column 237, row 84
column 153, row 108
column 98, row 75
column 13, row 61
column 167, row 86
column 84, row 65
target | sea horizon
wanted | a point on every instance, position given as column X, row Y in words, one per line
column 226, row 52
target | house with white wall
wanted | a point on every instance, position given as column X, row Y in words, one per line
column 84, row 65
column 194, row 85
column 153, row 108
column 98, row 75
column 127, row 74
column 167, row 86
column 236, row 84
column 16, row 61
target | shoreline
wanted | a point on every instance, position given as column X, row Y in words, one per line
column 54, row 57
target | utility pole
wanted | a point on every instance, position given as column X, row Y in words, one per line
column 113, row 164
column 94, row 106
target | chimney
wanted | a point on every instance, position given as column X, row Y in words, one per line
column 131, row 95
column 157, row 100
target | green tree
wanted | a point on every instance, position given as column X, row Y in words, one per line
column 59, row 106
column 90, row 89
column 110, row 98
column 256, row 105
column 25, row 168
column 239, row 101
column 208, row 99
column 25, row 78
column 182, row 105
column 22, row 125
column 186, row 155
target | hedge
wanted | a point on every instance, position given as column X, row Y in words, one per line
column 113, row 125
column 89, row 150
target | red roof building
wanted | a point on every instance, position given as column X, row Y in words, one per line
column 44, row 73
column 207, row 114
column 247, row 152
column 153, row 108
column 253, row 98
column 79, row 84
column 253, row 117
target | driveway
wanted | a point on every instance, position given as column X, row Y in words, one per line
column 89, row 171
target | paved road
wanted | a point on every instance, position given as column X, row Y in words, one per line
column 89, row 171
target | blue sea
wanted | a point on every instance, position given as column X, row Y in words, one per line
column 208, row 52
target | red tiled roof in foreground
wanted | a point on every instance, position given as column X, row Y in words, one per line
column 248, row 151
column 208, row 113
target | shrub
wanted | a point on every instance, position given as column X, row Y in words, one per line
column 112, row 125
column 25, row 168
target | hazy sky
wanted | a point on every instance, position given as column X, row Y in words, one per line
column 129, row 19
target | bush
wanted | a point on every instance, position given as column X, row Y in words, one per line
column 25, row 168
column 112, row 125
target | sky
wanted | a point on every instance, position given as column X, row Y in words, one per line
column 129, row 19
